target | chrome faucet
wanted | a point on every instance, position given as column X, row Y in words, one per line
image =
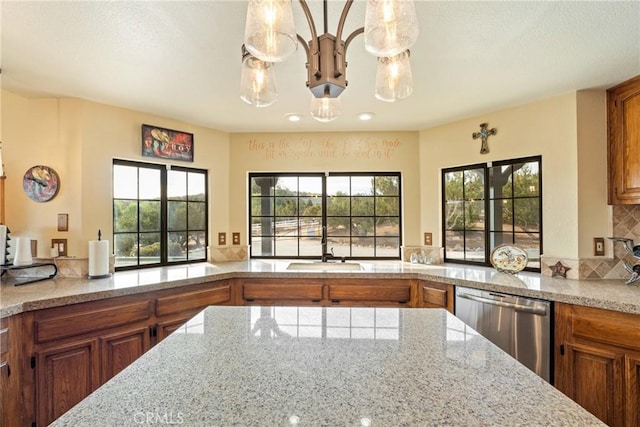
column 325, row 255
column 633, row 250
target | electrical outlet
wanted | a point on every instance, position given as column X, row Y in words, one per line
column 598, row 246
column 222, row 239
column 61, row 244
column 235, row 238
column 428, row 239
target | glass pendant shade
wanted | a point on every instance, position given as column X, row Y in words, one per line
column 390, row 27
column 269, row 33
column 394, row 80
column 325, row 109
column 257, row 82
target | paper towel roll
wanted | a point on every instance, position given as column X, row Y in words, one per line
column 98, row 258
column 22, row 255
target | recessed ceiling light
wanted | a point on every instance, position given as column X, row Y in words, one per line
column 366, row 116
column 293, row 117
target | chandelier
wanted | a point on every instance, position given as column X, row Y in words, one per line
column 390, row 29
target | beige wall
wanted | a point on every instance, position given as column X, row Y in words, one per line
column 326, row 152
column 595, row 217
column 548, row 128
column 79, row 139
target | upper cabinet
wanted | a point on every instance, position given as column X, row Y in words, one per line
column 623, row 117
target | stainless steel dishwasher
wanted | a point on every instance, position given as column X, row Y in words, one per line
column 520, row 326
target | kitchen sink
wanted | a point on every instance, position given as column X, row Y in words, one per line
column 325, row 266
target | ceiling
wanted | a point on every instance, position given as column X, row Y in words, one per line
column 182, row 59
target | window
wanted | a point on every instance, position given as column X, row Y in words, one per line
column 314, row 322
column 159, row 215
column 486, row 205
column 356, row 216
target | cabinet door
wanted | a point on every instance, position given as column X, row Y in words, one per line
column 4, row 369
column 165, row 328
column 119, row 349
column 623, row 116
column 65, row 374
column 632, row 381
column 593, row 380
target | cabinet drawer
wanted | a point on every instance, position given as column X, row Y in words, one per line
column 434, row 297
column 622, row 329
column 90, row 320
column 192, row 300
column 289, row 290
column 359, row 291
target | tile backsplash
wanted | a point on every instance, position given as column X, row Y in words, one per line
column 626, row 223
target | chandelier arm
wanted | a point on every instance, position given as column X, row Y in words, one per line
column 351, row 37
column 313, row 50
column 304, row 44
column 343, row 18
column 341, row 52
column 340, row 48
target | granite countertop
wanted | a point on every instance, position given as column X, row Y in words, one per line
column 607, row 294
column 326, row 366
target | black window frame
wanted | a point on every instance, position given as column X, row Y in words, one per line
column 488, row 211
column 164, row 225
column 323, row 176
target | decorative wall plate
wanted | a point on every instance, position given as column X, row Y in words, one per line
column 509, row 258
column 41, row 183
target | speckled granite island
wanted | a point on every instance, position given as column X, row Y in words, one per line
column 268, row 366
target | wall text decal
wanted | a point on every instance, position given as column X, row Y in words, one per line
column 351, row 148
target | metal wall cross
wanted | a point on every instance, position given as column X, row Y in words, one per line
column 484, row 134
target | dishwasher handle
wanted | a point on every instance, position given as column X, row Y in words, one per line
column 541, row 311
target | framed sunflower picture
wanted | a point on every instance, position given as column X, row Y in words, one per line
column 167, row 143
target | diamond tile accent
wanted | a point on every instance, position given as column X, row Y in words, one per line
column 626, row 223
column 228, row 253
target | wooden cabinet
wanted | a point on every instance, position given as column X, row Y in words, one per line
column 623, row 126
column 121, row 348
column 76, row 348
column 11, row 373
column 174, row 308
column 282, row 291
column 370, row 293
column 65, row 374
column 597, row 361
column 79, row 347
column 632, row 389
column 329, row 292
column 4, row 365
column 435, row 295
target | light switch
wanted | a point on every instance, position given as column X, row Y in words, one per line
column 598, row 246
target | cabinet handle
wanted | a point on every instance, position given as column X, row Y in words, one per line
column 561, row 349
column 335, row 301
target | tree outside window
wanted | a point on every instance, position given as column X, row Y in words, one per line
column 486, row 206
column 159, row 215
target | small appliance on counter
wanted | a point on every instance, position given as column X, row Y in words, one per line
column 4, row 244
column 634, row 250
